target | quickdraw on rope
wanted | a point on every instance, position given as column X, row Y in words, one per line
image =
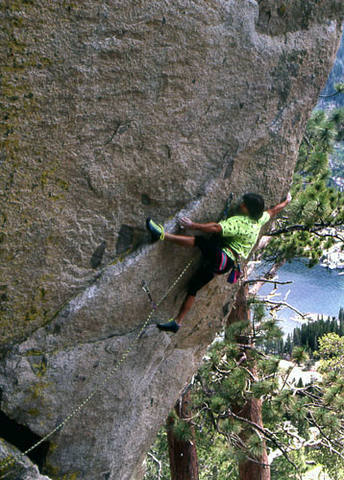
column 145, row 288
column 11, row 460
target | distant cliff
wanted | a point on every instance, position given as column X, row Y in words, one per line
column 113, row 111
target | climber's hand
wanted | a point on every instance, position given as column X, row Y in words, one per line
column 185, row 222
column 273, row 211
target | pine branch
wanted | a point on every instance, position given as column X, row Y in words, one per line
column 290, row 369
column 304, row 228
column 244, row 346
column 338, row 92
column 223, row 372
column 229, row 436
column 322, row 433
column 238, row 441
column 281, row 303
column 158, row 462
column 269, row 275
column 331, row 235
column 255, row 379
column 264, row 280
column 332, row 449
column 267, row 434
column 190, row 419
column 306, row 139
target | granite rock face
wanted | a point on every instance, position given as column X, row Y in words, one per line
column 114, row 111
column 23, row 469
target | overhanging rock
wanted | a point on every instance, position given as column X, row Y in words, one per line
column 117, row 111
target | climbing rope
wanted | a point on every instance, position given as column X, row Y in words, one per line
column 9, row 461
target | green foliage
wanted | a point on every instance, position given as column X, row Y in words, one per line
column 255, row 445
column 291, row 409
column 181, row 429
column 306, row 336
column 334, row 465
column 299, row 355
column 157, row 462
column 317, row 203
column 285, row 471
column 339, row 87
column 331, row 350
column 216, row 459
column 309, row 333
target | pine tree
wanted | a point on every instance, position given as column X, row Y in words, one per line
column 341, row 313
column 300, row 383
column 341, row 321
column 239, row 408
column 182, row 442
column 316, row 204
column 308, row 335
column 288, row 347
column 299, row 355
column 255, row 464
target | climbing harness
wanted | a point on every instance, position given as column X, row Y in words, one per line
column 235, row 273
column 12, row 459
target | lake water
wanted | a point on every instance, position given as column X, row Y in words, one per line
column 314, row 290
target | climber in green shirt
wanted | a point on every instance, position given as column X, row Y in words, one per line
column 234, row 238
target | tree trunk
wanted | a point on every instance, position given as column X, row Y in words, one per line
column 252, row 409
column 249, row 470
column 183, row 453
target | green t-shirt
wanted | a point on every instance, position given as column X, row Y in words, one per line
column 240, row 233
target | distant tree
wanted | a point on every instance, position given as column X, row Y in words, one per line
column 296, row 337
column 341, row 321
column 288, row 346
column 336, row 76
column 341, row 314
column 307, row 336
column 299, row 355
column 300, row 383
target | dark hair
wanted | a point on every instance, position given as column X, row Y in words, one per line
column 254, row 204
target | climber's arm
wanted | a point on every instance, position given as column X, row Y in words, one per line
column 207, row 227
column 211, row 227
column 273, row 211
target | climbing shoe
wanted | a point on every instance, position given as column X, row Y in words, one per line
column 157, row 230
column 171, row 326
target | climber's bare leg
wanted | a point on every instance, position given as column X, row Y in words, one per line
column 180, row 240
column 185, row 308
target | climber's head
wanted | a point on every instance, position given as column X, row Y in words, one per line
column 252, row 205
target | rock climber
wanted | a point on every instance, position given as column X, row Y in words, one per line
column 234, row 238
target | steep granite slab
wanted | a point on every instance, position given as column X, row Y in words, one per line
column 117, row 111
